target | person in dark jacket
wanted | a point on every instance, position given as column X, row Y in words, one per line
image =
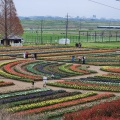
column 83, row 59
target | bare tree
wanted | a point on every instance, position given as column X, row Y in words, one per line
column 9, row 21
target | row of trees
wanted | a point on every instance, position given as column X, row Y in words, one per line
column 9, row 21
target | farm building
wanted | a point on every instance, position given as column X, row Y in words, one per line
column 13, row 40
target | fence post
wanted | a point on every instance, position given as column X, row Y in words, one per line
column 87, row 36
column 50, row 39
column 109, row 35
column 116, row 36
column 102, row 36
column 79, row 36
column 95, row 36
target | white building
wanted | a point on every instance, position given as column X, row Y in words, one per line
column 64, row 41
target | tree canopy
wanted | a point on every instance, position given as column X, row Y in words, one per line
column 9, row 21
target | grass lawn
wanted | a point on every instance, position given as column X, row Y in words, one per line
column 101, row 45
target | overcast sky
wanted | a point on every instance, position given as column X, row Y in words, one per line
column 81, row 8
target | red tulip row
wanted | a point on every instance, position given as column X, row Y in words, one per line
column 6, row 84
column 113, row 69
column 10, row 69
column 64, row 104
column 103, row 111
column 20, row 68
column 74, row 67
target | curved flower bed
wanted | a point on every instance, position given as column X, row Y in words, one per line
column 8, row 75
column 59, row 113
column 22, row 92
column 65, row 104
column 53, row 69
column 78, row 68
column 47, row 95
column 26, row 70
column 21, row 67
column 7, row 58
column 103, row 111
column 50, row 102
column 100, row 80
column 9, row 68
column 2, row 83
column 65, row 68
column 31, row 69
column 110, row 76
column 113, row 69
column 86, row 85
column 47, row 100
column 59, row 70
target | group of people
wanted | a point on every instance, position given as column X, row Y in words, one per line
column 78, row 45
column 25, row 55
column 83, row 59
column 80, row 59
column 34, row 55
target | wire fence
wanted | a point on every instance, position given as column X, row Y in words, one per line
column 87, row 36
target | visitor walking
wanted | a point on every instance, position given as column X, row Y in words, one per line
column 26, row 54
column 44, row 81
column 79, row 58
column 79, row 45
column 73, row 58
column 33, row 82
column 83, row 59
column 35, row 56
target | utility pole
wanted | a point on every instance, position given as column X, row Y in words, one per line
column 79, row 29
column 66, row 29
column 41, row 31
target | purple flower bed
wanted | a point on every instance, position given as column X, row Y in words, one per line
column 29, row 96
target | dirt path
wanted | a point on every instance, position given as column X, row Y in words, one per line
column 24, row 85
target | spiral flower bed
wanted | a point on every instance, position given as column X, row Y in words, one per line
column 27, row 70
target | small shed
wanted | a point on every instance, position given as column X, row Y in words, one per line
column 64, row 41
column 13, row 40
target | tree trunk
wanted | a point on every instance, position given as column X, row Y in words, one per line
column 6, row 42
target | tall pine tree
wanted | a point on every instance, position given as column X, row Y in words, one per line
column 9, row 21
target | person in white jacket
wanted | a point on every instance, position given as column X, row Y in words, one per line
column 44, row 81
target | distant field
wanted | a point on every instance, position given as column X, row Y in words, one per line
column 53, row 36
column 53, row 30
column 102, row 45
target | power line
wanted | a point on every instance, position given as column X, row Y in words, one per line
column 104, row 5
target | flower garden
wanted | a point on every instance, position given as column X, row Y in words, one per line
column 81, row 91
